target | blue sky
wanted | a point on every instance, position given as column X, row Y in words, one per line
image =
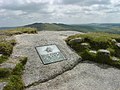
column 21, row 12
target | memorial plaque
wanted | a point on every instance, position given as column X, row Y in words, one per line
column 50, row 54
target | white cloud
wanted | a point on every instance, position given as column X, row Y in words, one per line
column 21, row 12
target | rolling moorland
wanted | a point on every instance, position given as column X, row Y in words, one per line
column 93, row 27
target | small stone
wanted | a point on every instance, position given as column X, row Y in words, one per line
column 114, row 41
column 115, row 59
column 93, row 51
column 84, row 44
column 1, row 55
column 118, row 45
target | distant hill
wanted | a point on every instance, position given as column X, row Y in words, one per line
column 93, row 27
column 6, row 28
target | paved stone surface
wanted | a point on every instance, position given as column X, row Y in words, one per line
column 35, row 72
column 85, row 76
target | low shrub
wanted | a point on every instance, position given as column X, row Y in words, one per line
column 3, row 58
column 102, row 58
column 4, row 72
column 12, row 42
column 6, row 48
column 15, row 83
column 19, row 67
column 23, row 60
column 86, row 55
column 112, row 51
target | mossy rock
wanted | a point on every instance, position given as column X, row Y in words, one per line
column 103, row 56
column 87, row 55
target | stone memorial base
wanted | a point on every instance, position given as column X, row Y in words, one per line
column 35, row 71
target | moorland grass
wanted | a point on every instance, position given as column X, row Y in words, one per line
column 97, row 41
column 15, row 82
column 20, row 30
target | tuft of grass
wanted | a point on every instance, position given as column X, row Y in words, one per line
column 20, row 30
column 19, row 67
column 86, row 55
column 6, row 48
column 3, row 58
column 97, row 41
column 4, row 72
column 15, row 82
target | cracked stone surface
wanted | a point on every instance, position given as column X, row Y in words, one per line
column 35, row 72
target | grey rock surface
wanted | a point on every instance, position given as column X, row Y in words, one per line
column 35, row 72
column 85, row 76
column 2, row 85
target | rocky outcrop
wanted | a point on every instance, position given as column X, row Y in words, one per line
column 35, row 71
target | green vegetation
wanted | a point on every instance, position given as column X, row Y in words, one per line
column 15, row 82
column 18, row 31
column 6, row 48
column 19, row 67
column 3, row 58
column 4, row 72
column 110, row 28
column 13, row 77
column 97, row 41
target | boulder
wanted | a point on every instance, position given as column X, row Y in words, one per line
column 76, row 40
column 104, row 52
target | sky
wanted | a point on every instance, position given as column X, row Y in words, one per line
column 23, row 12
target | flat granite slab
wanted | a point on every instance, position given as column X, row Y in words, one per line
column 35, row 71
column 85, row 76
